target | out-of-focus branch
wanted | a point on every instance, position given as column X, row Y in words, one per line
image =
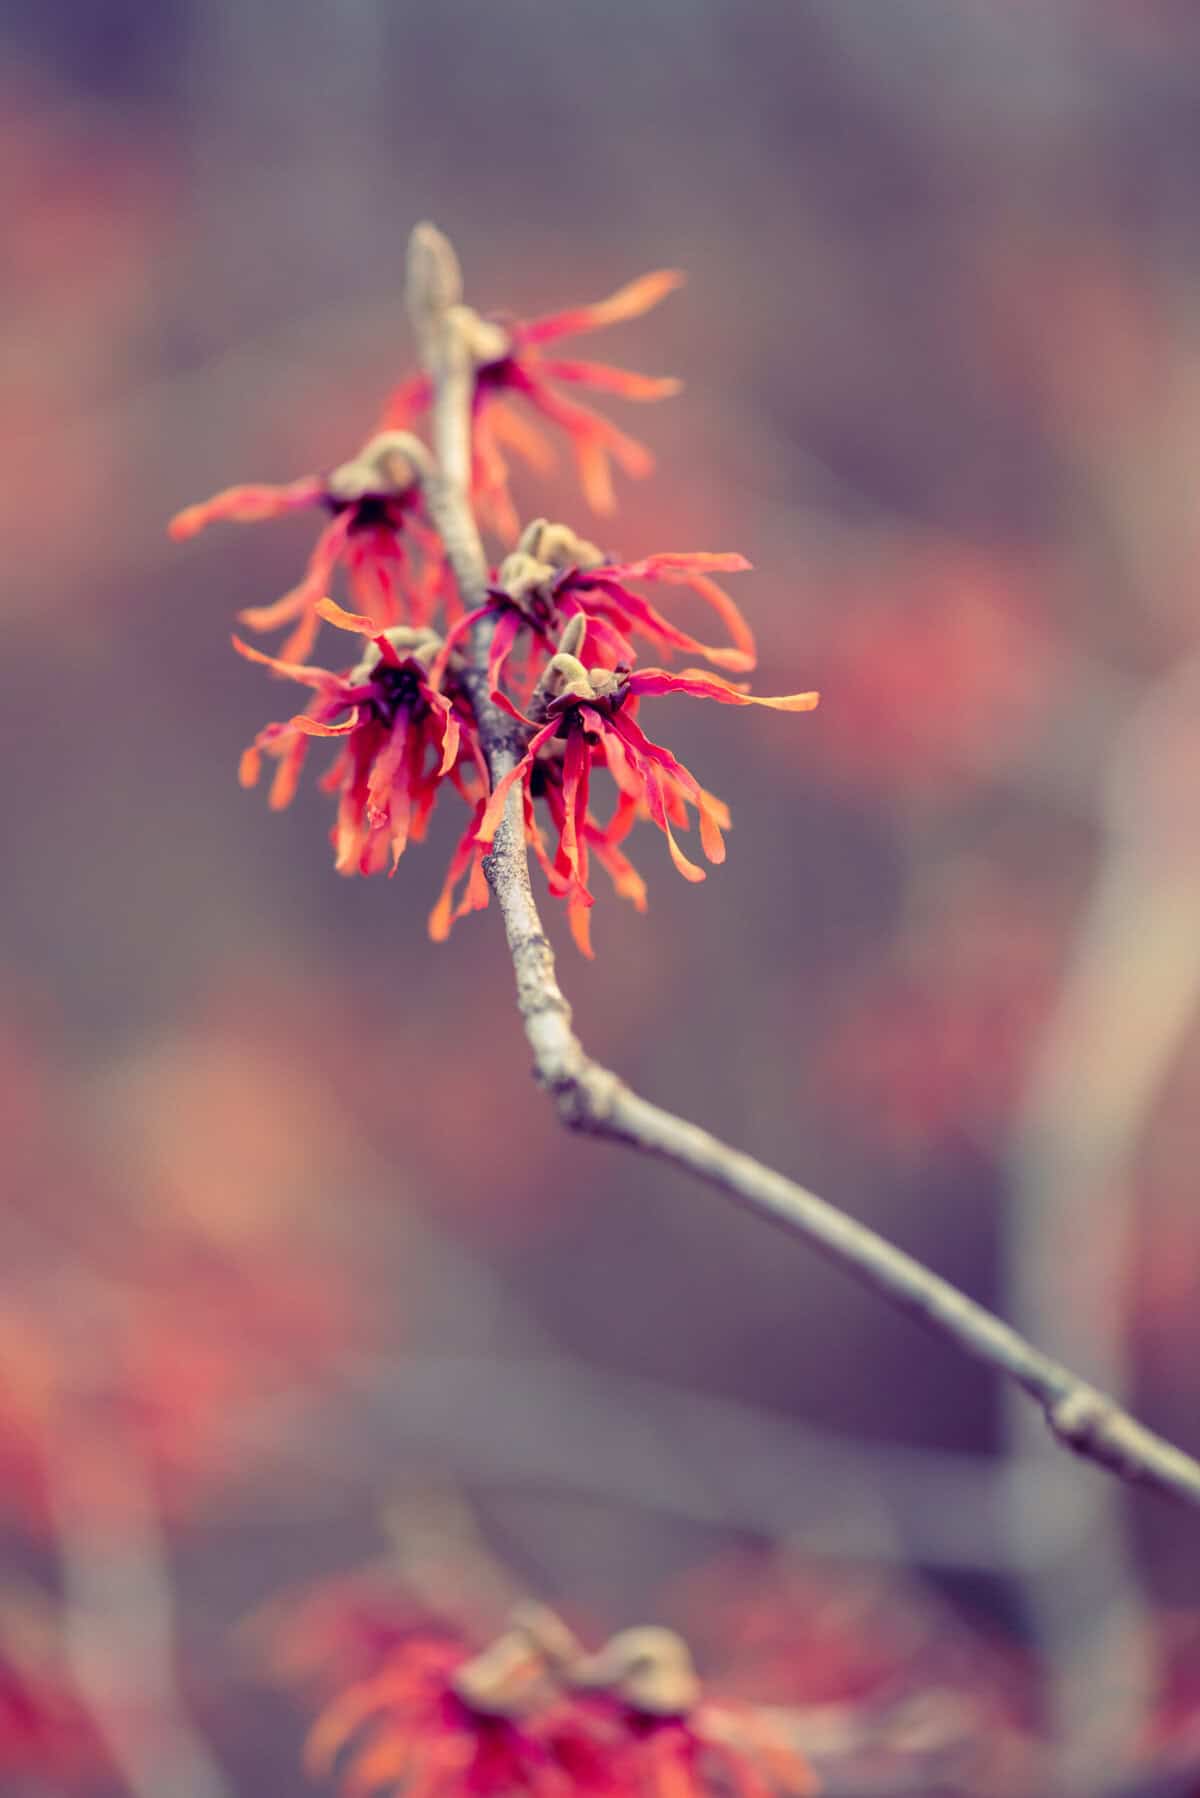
column 591, row 1098
column 118, row 1622
column 538, row 1424
column 1128, row 998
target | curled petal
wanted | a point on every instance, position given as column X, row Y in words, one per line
column 467, row 855
column 504, row 704
column 710, row 828
column 452, row 639
column 640, row 614
column 700, row 685
column 314, row 727
column 489, row 471
column 319, row 678
column 508, row 628
column 406, row 402
column 451, row 731
column 642, row 750
column 667, row 784
column 745, row 653
column 493, row 812
column 691, row 568
column 301, row 601
column 521, row 436
column 630, row 301
column 346, row 621
column 658, row 811
column 287, row 774
column 593, row 439
column 246, row 505
column 579, row 921
column 680, row 565
column 628, row 778
column 624, row 876
column 602, row 378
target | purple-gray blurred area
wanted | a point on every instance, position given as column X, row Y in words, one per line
column 272, row 1149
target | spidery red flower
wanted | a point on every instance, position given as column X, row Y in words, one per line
column 376, row 532
column 510, row 364
column 563, row 622
column 553, row 576
column 592, row 711
column 399, row 737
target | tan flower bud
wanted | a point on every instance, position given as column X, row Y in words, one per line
column 524, row 578
column 573, row 633
column 648, row 1669
column 558, row 545
column 558, row 1645
column 415, row 641
column 506, row 1680
column 387, row 465
column 487, row 342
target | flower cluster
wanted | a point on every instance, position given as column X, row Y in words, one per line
column 536, row 1715
column 377, row 532
column 561, row 628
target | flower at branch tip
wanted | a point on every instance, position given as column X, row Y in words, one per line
column 591, row 712
column 510, row 364
column 376, row 522
column 400, row 738
column 553, row 576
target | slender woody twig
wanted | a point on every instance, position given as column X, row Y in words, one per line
column 591, row 1098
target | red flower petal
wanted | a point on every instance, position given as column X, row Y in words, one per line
column 630, row 301
column 246, row 505
column 701, row 685
column 493, row 812
column 602, row 378
column 319, row 678
column 314, row 727
column 346, row 621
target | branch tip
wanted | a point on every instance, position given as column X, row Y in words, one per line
column 434, row 274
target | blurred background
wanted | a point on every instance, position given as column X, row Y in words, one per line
column 312, row 1323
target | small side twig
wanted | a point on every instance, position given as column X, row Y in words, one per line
column 591, row 1098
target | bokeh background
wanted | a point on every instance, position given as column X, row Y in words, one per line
column 301, row 1289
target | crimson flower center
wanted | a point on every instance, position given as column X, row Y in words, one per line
column 397, row 690
column 371, row 510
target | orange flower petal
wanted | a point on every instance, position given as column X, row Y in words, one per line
column 346, row 621
column 630, row 301
column 702, row 685
column 313, row 727
column 245, row 505
column 298, row 671
column 601, row 377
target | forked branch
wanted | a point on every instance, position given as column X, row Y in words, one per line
column 590, row 1098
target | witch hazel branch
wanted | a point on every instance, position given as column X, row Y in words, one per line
column 516, row 688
